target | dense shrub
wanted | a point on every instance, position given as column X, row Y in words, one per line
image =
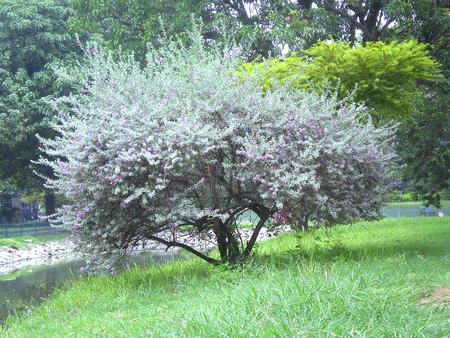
column 184, row 145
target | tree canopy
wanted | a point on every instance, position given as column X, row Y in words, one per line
column 262, row 28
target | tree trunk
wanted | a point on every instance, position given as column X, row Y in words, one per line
column 49, row 203
column 371, row 21
column 232, row 247
column 302, row 223
column 221, row 238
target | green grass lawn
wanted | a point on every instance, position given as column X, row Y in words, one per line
column 361, row 280
column 26, row 241
column 415, row 204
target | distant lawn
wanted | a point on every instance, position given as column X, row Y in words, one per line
column 361, row 280
column 418, row 204
column 26, row 241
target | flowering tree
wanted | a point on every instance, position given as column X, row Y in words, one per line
column 184, row 145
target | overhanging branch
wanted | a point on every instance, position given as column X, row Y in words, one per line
column 186, row 247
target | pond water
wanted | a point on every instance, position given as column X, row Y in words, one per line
column 25, row 288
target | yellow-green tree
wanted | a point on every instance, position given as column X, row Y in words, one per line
column 382, row 75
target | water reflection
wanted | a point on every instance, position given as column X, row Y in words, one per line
column 29, row 287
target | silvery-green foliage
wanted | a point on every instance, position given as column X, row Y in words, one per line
column 184, row 141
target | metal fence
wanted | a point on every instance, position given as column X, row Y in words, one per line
column 389, row 211
column 413, row 212
column 29, row 229
column 44, row 228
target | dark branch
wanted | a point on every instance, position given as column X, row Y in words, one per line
column 330, row 6
column 240, row 10
column 186, row 247
column 383, row 30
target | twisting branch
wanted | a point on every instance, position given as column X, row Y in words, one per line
column 170, row 244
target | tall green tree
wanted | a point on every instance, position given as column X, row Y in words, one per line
column 423, row 141
column 424, row 145
column 131, row 24
column 33, row 37
column 264, row 27
column 379, row 20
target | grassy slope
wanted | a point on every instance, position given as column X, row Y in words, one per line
column 363, row 280
column 26, row 241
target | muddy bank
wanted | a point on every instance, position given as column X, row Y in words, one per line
column 12, row 259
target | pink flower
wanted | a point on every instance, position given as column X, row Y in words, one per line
column 83, row 213
column 321, row 132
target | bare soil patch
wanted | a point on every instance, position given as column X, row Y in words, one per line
column 439, row 298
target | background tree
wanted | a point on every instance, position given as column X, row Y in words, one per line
column 424, row 138
column 132, row 24
column 33, row 36
column 378, row 20
column 263, row 28
column 424, row 145
column 381, row 75
column 372, row 18
column 270, row 27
